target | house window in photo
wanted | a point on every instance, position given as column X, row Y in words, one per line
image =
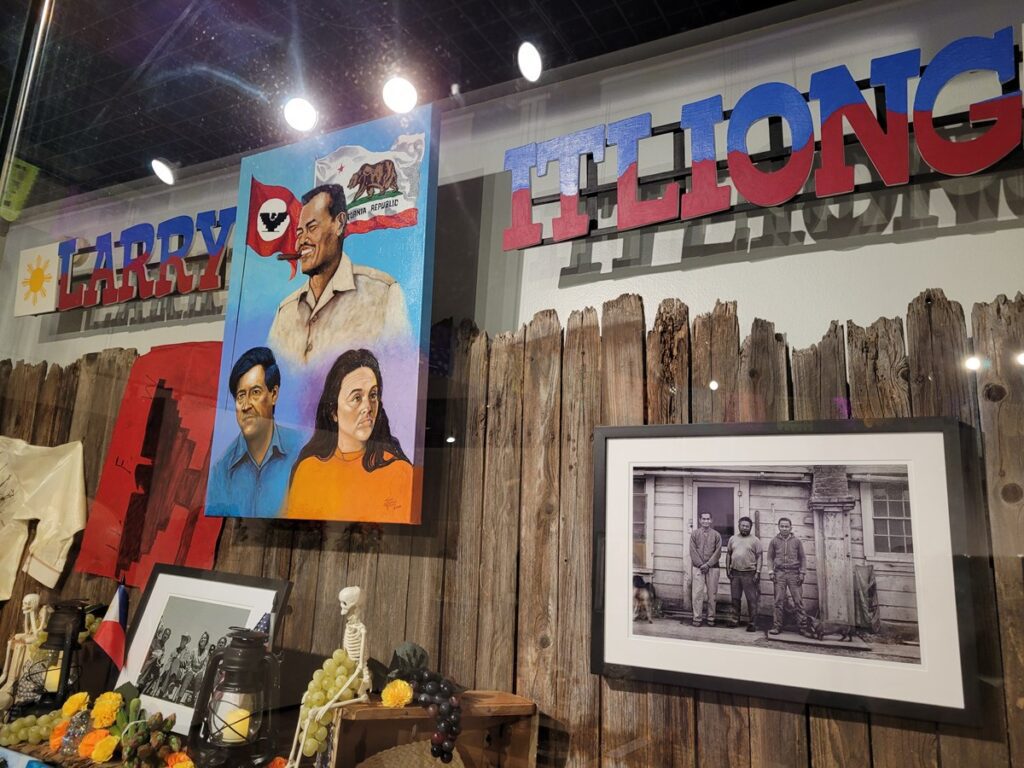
column 891, row 518
column 640, row 522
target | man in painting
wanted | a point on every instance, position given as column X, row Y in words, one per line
column 705, row 553
column 251, row 477
column 786, row 567
column 342, row 305
column 743, row 557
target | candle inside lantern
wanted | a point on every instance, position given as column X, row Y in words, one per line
column 236, row 726
column 52, row 680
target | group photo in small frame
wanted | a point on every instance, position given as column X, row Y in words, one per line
column 819, row 561
column 185, row 615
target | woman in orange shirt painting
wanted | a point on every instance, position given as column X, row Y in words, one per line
column 352, row 468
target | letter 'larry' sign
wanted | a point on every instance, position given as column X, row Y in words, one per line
column 150, row 263
column 885, row 139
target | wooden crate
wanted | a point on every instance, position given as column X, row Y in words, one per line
column 498, row 730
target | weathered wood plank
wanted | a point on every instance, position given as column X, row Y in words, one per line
column 499, row 541
column 6, row 368
column 327, row 623
column 839, row 738
column 629, row 732
column 668, row 402
column 577, row 707
column 879, row 371
column 465, row 513
column 941, row 385
column 937, row 348
column 668, row 365
column 427, row 556
column 22, row 401
column 716, row 358
column 999, row 340
column 880, row 388
column 762, row 384
column 303, row 572
column 242, row 541
column 819, row 378
column 778, row 732
column 389, row 595
column 277, row 559
column 536, row 662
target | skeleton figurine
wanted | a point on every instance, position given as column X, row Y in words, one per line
column 19, row 648
column 351, row 601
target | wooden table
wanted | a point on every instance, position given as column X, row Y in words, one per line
column 498, row 730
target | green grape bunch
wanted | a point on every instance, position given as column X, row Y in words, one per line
column 335, row 677
column 31, row 729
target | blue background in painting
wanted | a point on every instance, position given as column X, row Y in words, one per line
column 257, row 285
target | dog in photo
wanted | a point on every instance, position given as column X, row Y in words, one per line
column 644, row 598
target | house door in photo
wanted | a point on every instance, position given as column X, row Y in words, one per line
column 721, row 501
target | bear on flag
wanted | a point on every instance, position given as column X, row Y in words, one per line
column 381, row 187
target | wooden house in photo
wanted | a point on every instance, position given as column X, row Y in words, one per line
column 854, row 522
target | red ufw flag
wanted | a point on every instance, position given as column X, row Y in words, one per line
column 273, row 216
column 111, row 632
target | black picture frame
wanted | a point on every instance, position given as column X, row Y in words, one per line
column 207, row 582
column 966, row 524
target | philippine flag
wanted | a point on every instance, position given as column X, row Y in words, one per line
column 111, row 633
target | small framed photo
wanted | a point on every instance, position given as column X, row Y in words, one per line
column 822, row 562
column 185, row 615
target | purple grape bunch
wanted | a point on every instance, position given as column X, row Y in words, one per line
column 440, row 696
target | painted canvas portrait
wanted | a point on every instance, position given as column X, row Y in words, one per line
column 322, row 377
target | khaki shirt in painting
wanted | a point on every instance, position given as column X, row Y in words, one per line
column 360, row 307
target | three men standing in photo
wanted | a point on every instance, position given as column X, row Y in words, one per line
column 744, row 557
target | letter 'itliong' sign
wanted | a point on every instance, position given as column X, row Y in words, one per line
column 885, row 138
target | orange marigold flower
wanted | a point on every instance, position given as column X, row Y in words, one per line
column 278, row 762
column 57, row 735
column 90, row 740
column 175, row 758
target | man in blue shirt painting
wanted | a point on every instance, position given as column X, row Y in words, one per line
column 250, row 478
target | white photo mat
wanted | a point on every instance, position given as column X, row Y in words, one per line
column 255, row 600
column 936, row 681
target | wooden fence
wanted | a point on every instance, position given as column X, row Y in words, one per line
column 496, row 583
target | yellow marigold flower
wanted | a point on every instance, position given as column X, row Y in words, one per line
column 90, row 740
column 104, row 711
column 104, row 749
column 75, row 703
column 396, row 694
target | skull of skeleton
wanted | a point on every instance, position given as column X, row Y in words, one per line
column 30, row 603
column 350, row 598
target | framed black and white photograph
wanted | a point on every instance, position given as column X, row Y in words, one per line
column 185, row 615
column 814, row 561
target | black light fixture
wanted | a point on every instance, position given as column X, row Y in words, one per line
column 56, row 672
column 231, row 722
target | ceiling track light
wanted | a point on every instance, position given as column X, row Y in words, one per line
column 400, row 95
column 530, row 64
column 164, row 170
column 300, row 114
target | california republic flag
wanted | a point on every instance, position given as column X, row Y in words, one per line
column 380, row 187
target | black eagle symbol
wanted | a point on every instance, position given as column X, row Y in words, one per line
column 271, row 221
